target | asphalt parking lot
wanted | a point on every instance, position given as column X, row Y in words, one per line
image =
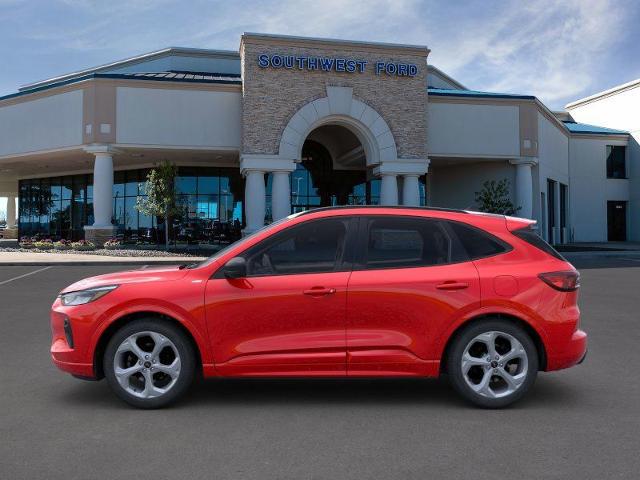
column 581, row 423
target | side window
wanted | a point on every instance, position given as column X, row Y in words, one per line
column 313, row 247
column 397, row 242
column 477, row 243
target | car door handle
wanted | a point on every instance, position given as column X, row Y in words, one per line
column 319, row 291
column 451, row 285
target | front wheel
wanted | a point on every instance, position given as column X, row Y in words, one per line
column 149, row 363
column 492, row 363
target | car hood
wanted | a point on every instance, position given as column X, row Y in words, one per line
column 143, row 275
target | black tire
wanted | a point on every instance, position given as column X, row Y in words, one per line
column 184, row 348
column 457, row 349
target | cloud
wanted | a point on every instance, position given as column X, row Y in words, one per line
column 557, row 50
column 550, row 49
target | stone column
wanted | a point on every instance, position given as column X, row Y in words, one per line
column 389, row 189
column 280, row 195
column 411, row 190
column 11, row 211
column 254, row 200
column 102, row 229
column 524, row 186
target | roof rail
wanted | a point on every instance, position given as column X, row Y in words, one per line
column 373, row 207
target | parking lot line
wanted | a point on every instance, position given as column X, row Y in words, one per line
column 25, row 275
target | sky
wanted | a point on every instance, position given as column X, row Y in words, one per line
column 557, row 50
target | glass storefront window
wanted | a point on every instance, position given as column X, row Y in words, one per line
column 60, row 207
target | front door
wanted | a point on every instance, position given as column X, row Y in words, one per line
column 287, row 317
column 617, row 221
column 408, row 285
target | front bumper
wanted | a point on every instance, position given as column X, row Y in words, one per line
column 63, row 354
column 568, row 354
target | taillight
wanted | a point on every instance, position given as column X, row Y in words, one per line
column 564, row 281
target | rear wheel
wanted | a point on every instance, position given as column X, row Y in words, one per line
column 149, row 363
column 492, row 363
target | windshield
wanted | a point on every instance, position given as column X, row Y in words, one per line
column 241, row 242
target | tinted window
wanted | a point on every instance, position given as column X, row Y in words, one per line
column 616, row 167
column 477, row 243
column 397, row 242
column 313, row 247
column 531, row 237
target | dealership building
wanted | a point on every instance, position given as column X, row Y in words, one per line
column 290, row 123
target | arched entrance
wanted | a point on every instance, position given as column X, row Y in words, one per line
column 334, row 150
column 332, row 171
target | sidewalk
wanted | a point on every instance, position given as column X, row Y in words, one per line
column 32, row 258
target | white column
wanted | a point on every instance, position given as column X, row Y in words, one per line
column 280, row 195
column 389, row 189
column 103, row 189
column 11, row 211
column 411, row 190
column 524, row 186
column 254, row 200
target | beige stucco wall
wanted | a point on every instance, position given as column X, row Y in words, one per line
column 271, row 96
column 54, row 121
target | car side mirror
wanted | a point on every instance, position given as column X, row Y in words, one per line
column 235, row 268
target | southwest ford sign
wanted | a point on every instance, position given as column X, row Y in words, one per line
column 335, row 64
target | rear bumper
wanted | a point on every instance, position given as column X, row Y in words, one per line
column 570, row 353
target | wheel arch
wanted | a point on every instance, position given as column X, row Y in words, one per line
column 526, row 326
column 120, row 322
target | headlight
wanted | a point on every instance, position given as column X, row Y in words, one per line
column 85, row 296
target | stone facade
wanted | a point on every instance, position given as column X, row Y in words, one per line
column 272, row 96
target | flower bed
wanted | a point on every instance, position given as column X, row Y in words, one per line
column 83, row 246
column 43, row 244
column 62, row 245
column 113, row 244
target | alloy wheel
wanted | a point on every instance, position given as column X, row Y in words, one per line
column 147, row 364
column 494, row 364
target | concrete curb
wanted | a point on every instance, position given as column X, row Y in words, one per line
column 603, row 253
column 92, row 263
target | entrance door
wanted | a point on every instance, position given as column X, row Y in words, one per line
column 617, row 221
column 287, row 316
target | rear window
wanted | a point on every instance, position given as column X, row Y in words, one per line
column 532, row 238
column 476, row 242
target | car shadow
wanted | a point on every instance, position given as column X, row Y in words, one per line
column 252, row 392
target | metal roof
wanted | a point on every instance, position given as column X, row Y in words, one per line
column 186, row 77
column 445, row 92
column 585, row 128
column 134, row 60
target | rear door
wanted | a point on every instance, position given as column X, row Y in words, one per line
column 411, row 280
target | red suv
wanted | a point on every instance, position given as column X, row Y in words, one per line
column 350, row 291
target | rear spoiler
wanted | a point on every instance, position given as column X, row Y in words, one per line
column 516, row 223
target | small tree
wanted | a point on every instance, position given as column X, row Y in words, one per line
column 160, row 200
column 494, row 198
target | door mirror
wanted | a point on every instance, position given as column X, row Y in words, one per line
column 235, row 268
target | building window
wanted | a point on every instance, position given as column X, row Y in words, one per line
column 616, row 161
column 211, row 200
